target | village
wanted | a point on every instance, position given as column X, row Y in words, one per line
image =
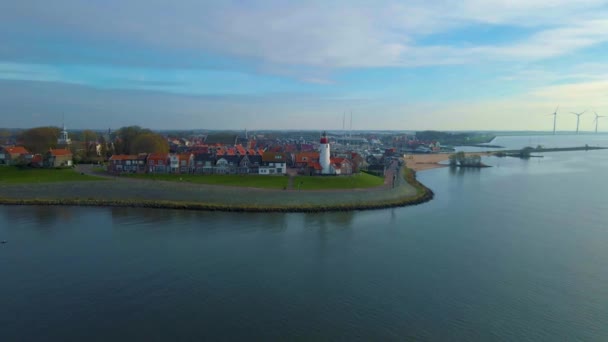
column 229, row 154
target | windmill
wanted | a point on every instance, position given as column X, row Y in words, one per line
column 597, row 119
column 578, row 118
column 554, row 119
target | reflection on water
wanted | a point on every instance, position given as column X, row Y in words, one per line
column 332, row 220
column 461, row 171
column 40, row 216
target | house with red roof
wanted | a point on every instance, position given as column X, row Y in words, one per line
column 11, row 155
column 157, row 163
column 241, row 150
column 341, row 166
column 273, row 163
column 303, row 159
column 60, row 157
column 186, row 162
column 123, row 163
column 37, row 160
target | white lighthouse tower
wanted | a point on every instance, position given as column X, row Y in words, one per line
column 324, row 155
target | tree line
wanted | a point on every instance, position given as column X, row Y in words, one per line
column 126, row 140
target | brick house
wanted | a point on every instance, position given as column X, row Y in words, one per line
column 157, row 163
column 123, row 163
column 303, row 159
column 185, row 162
column 342, row 166
column 58, row 158
column 11, row 155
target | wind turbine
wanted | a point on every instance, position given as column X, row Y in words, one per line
column 578, row 118
column 554, row 118
column 597, row 117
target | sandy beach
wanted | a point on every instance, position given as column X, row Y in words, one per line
column 421, row 162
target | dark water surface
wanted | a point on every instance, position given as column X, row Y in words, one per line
column 514, row 252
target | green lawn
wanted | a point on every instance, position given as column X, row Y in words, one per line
column 14, row 175
column 362, row 180
column 254, row 181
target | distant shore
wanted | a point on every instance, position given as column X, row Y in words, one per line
column 421, row 162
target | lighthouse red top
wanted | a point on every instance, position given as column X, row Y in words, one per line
column 324, row 139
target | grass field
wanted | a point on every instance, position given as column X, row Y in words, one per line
column 254, row 181
column 359, row 181
column 13, row 175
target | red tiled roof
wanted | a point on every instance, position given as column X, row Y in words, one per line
column 60, row 152
column 272, row 157
column 315, row 165
column 158, row 157
column 184, row 156
column 339, row 161
column 17, row 150
column 37, row 158
column 309, row 156
column 124, row 157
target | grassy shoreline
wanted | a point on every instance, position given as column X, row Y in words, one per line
column 422, row 195
column 256, row 181
column 15, row 175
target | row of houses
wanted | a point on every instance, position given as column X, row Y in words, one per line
column 262, row 163
column 268, row 163
column 19, row 155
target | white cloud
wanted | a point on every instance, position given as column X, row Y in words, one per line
column 323, row 34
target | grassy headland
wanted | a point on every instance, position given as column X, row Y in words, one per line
column 14, row 175
column 183, row 195
column 253, row 181
column 360, row 181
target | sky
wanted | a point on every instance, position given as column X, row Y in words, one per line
column 404, row 65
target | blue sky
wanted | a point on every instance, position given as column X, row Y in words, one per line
column 471, row 64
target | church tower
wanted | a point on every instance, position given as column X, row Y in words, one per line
column 64, row 139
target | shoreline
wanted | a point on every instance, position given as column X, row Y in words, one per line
column 423, row 162
column 408, row 191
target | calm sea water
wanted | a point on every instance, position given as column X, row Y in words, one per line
column 515, row 252
column 548, row 141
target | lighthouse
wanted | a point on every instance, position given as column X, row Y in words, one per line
column 324, row 155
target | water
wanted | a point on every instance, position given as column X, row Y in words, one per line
column 515, row 252
column 547, row 141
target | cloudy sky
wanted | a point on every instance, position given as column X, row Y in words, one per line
column 455, row 65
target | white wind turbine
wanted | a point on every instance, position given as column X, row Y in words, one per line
column 597, row 119
column 578, row 118
column 554, row 119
